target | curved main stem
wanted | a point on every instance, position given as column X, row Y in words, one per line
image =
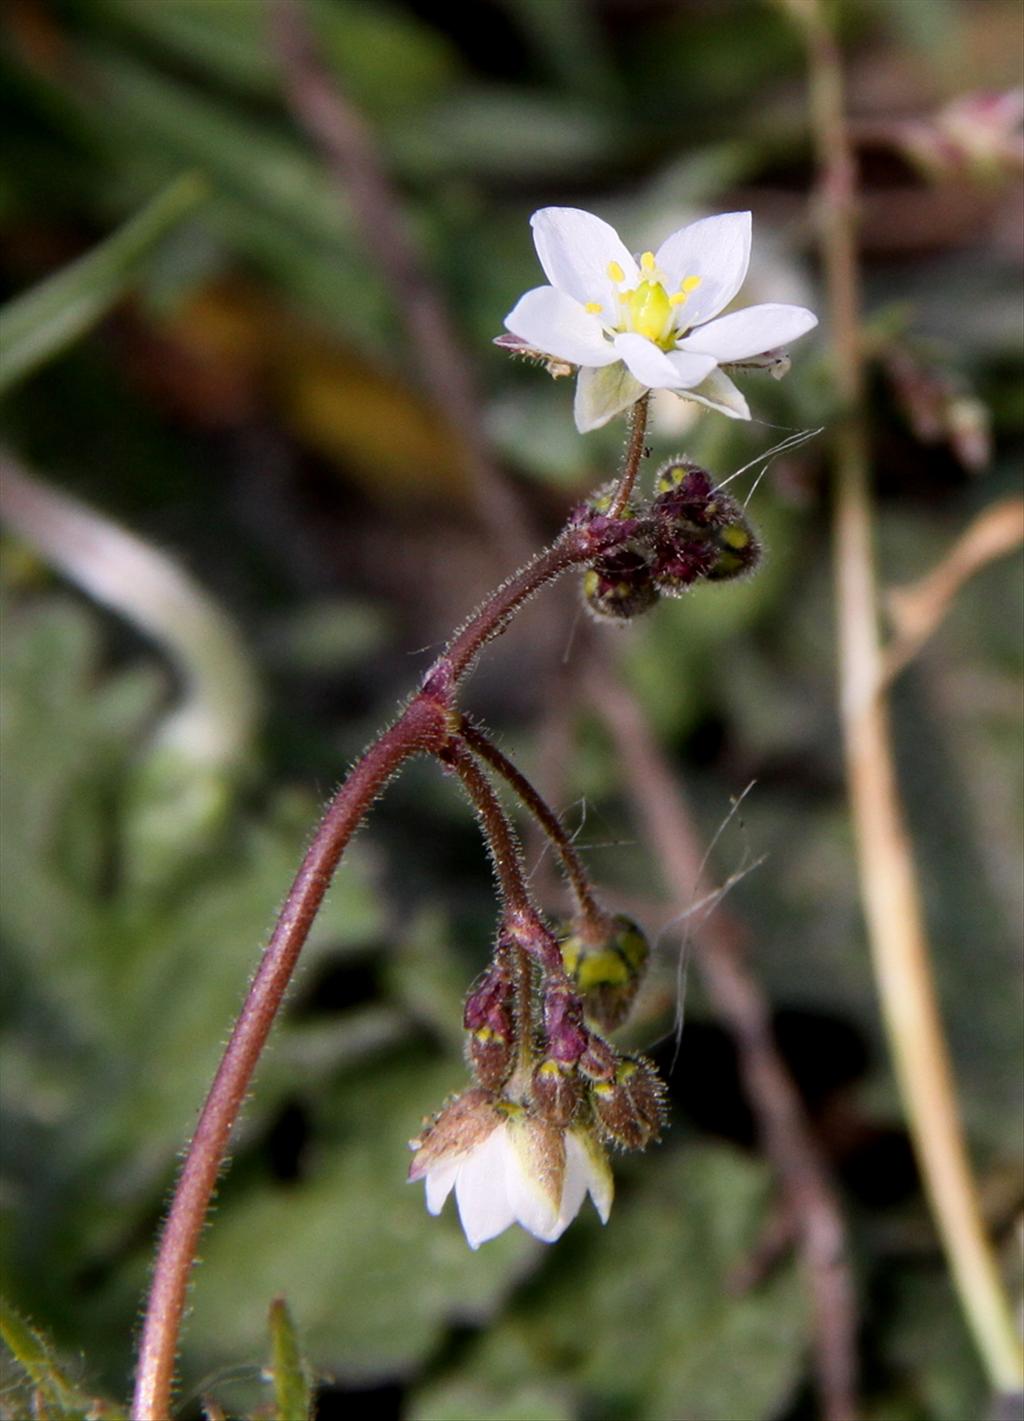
column 418, row 729
column 429, row 724
column 888, row 877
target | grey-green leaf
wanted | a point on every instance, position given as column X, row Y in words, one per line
column 42, row 322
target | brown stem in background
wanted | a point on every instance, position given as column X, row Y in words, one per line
column 787, row 1137
column 888, row 878
column 340, row 133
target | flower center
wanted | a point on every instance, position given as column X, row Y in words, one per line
column 648, row 309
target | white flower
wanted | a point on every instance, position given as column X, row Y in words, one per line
column 507, row 1166
column 648, row 324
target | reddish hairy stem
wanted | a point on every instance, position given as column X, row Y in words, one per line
column 421, row 727
column 545, row 816
column 574, row 546
column 521, row 920
column 634, row 455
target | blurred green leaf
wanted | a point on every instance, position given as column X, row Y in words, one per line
column 380, row 1280
column 929, row 1351
column 293, row 1394
column 41, row 323
column 110, row 976
column 655, row 1287
column 456, row 1400
column 492, row 130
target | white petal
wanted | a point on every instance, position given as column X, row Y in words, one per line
column 533, row 1204
column 440, row 1182
column 719, row 393
column 575, row 250
column 717, row 249
column 556, row 324
column 600, row 1181
column 653, row 368
column 480, row 1191
column 574, row 1188
column 750, row 332
column 602, row 394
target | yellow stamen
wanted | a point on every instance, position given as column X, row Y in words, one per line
column 594, row 307
column 690, row 283
column 678, row 298
column 615, row 272
column 647, row 262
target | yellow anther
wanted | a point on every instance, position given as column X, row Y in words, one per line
column 647, row 262
column 735, row 536
column 594, row 307
column 615, row 272
column 690, row 283
column 678, row 298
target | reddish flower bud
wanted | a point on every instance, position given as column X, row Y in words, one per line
column 563, row 1023
column 490, row 1020
column 702, row 533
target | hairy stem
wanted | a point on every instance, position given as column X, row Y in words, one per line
column 420, row 728
column 888, row 878
column 545, row 817
column 521, row 920
column 573, row 547
column 634, row 456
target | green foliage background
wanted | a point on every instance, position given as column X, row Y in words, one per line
column 251, row 409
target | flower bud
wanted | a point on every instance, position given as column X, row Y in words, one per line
column 630, row 1108
column 607, row 973
column 619, row 585
column 491, row 1054
column 738, row 549
column 563, row 1023
column 488, row 1017
column 703, row 533
column 556, row 1091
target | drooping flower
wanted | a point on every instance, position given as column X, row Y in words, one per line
column 508, row 1166
column 651, row 323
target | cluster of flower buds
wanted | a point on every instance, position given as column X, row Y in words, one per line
column 693, row 531
column 527, row 1142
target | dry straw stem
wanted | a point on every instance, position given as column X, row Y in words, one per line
column 888, row 879
column 917, row 609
